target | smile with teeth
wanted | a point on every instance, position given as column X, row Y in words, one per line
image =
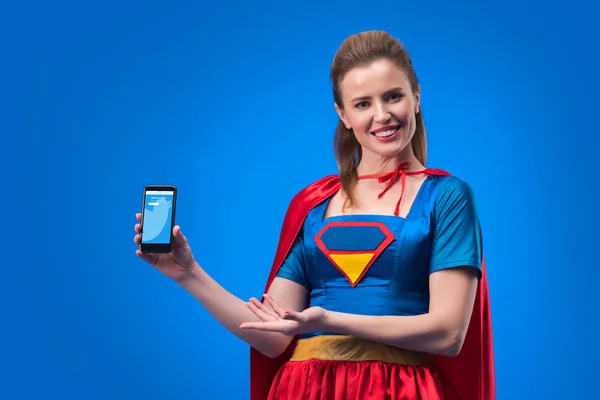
column 387, row 133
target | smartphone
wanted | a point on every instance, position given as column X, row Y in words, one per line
column 158, row 218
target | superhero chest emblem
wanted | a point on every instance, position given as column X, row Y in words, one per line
column 352, row 247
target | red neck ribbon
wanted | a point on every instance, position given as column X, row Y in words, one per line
column 391, row 177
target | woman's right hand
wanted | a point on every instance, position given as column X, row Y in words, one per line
column 177, row 264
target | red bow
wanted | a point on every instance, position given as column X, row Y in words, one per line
column 391, row 177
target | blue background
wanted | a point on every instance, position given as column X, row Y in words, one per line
column 232, row 104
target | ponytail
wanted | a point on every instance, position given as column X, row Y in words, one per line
column 348, row 154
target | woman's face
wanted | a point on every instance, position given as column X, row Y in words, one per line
column 380, row 107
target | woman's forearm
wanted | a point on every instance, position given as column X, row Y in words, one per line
column 427, row 333
column 231, row 311
column 440, row 331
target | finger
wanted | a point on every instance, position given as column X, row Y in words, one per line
column 280, row 311
column 149, row 258
column 264, row 326
column 138, row 228
column 259, row 312
column 252, row 325
column 265, row 307
column 293, row 316
column 138, row 216
column 266, row 315
column 137, row 239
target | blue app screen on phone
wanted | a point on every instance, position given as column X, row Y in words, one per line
column 157, row 217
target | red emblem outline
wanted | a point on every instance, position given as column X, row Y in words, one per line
column 389, row 238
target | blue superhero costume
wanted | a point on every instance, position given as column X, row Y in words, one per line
column 379, row 265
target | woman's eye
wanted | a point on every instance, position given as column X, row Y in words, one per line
column 362, row 104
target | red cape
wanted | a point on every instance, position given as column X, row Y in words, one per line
column 471, row 373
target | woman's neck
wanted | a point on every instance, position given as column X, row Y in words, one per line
column 371, row 163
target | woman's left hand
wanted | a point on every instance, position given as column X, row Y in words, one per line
column 289, row 323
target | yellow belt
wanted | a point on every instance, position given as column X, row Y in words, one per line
column 349, row 348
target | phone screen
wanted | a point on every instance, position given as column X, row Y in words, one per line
column 158, row 217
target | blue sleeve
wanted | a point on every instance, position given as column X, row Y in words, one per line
column 294, row 265
column 457, row 240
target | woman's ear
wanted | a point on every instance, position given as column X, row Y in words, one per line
column 342, row 116
column 418, row 100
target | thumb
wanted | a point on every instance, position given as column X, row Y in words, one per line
column 293, row 316
column 180, row 239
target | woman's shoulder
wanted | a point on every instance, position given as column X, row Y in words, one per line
column 452, row 190
column 451, row 183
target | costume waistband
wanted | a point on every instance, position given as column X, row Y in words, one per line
column 349, row 348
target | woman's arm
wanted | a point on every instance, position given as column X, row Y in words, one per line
column 441, row 331
column 231, row 311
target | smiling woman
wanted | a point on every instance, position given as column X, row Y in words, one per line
column 378, row 289
column 386, row 107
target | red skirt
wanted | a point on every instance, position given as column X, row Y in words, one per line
column 343, row 368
